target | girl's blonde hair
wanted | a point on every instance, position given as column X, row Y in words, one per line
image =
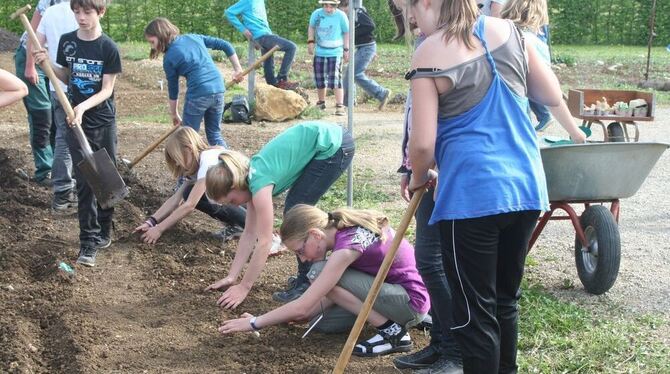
column 230, row 173
column 457, row 19
column 301, row 218
column 165, row 31
column 184, row 141
column 530, row 15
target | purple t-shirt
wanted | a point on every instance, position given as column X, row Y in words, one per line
column 403, row 270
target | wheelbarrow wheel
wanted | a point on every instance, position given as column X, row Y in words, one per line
column 598, row 264
column 615, row 132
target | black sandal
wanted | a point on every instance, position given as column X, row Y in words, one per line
column 383, row 343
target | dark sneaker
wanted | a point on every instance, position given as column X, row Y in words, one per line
column 103, row 242
column 105, row 238
column 294, row 291
column 321, row 105
column 442, row 366
column 87, row 256
column 545, row 123
column 287, row 85
column 425, row 324
column 339, row 110
column 45, row 182
column 229, row 232
column 418, row 360
column 388, row 340
column 385, row 100
column 64, row 203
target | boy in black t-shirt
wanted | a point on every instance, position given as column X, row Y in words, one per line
column 90, row 61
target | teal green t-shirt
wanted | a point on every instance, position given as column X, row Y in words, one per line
column 282, row 160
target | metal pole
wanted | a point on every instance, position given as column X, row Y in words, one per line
column 350, row 100
column 251, row 83
column 651, row 37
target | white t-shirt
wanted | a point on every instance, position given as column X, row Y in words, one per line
column 485, row 5
column 56, row 21
column 208, row 159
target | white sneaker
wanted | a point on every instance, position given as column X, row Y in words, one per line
column 277, row 246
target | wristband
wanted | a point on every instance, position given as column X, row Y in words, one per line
column 310, row 42
column 252, row 322
column 346, row 49
column 151, row 221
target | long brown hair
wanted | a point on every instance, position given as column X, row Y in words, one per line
column 165, row 31
column 301, row 218
column 527, row 14
column 230, row 173
column 457, row 19
column 184, row 140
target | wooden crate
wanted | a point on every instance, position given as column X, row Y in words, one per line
column 584, row 96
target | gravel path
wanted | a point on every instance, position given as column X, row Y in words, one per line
column 643, row 285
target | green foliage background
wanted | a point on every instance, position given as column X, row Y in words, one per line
column 572, row 21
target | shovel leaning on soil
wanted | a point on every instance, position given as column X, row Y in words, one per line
column 97, row 168
column 129, row 164
column 377, row 283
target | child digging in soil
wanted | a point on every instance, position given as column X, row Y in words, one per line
column 307, row 158
column 188, row 157
column 90, row 63
column 187, row 56
column 357, row 241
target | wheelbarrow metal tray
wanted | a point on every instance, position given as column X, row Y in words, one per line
column 604, row 171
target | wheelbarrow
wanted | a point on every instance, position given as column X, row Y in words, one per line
column 578, row 174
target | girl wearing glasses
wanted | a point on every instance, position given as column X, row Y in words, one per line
column 357, row 241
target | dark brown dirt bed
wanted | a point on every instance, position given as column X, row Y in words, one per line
column 8, row 41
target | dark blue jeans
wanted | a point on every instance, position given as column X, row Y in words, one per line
column 541, row 111
column 316, row 179
column 288, row 47
column 230, row 214
column 209, row 107
column 428, row 254
column 91, row 215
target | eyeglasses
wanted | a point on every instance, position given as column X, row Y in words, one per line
column 301, row 250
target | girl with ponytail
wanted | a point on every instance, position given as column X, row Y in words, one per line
column 188, row 156
column 306, row 160
column 357, row 241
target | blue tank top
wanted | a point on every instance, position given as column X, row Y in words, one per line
column 488, row 158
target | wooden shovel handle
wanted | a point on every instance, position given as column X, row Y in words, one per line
column 153, row 146
column 46, row 67
column 377, row 284
column 255, row 65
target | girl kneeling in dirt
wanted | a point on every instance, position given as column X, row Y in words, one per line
column 358, row 241
column 189, row 157
column 307, row 158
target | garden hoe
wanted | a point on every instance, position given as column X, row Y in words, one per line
column 377, row 283
column 97, row 168
column 129, row 164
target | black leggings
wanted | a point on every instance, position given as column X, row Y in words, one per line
column 484, row 260
column 230, row 214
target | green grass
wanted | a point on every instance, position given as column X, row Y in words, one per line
column 560, row 337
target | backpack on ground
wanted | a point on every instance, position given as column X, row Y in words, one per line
column 239, row 109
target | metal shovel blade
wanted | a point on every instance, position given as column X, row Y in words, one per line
column 103, row 178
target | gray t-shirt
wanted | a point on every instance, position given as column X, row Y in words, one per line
column 472, row 79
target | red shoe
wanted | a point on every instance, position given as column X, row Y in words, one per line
column 286, row 85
